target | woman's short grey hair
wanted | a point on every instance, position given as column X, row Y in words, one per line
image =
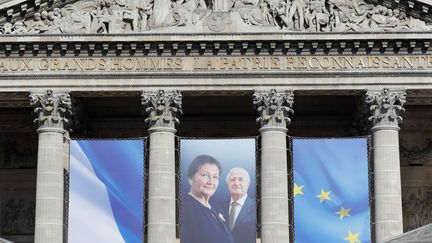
column 239, row 170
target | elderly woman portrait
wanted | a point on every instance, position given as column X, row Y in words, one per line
column 200, row 221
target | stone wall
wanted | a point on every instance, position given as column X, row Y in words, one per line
column 17, row 187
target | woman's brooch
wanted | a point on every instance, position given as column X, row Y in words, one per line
column 221, row 217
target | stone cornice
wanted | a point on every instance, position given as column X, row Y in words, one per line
column 214, row 44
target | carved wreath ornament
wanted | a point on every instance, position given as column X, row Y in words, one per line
column 386, row 107
column 52, row 110
column 274, row 108
column 162, row 108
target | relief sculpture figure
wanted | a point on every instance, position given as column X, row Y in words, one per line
column 319, row 16
column 221, row 5
column 254, row 13
column 127, row 16
column 188, row 12
column 162, row 15
column 297, row 13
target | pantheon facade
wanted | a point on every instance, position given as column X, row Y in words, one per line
column 164, row 69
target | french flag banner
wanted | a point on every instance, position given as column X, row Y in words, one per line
column 106, row 191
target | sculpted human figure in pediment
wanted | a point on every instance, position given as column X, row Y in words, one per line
column 127, row 16
column 319, row 16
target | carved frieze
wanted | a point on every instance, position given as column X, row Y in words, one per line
column 274, row 108
column 416, row 154
column 134, row 16
column 417, row 207
column 162, row 108
column 18, row 212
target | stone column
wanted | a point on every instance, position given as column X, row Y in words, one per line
column 53, row 111
column 273, row 109
column 162, row 109
column 386, row 106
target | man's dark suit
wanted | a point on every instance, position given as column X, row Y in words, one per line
column 244, row 230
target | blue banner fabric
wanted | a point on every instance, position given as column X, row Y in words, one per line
column 217, row 189
column 106, row 191
column 331, row 190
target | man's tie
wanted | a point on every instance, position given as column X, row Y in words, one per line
column 232, row 215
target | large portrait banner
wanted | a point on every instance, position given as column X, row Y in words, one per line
column 106, row 191
column 218, row 188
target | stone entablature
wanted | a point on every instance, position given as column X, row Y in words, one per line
column 210, row 65
column 240, row 16
column 164, row 45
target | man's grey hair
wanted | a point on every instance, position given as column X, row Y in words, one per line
column 238, row 170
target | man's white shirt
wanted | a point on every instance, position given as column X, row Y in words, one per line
column 239, row 206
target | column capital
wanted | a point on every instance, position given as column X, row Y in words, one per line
column 162, row 109
column 53, row 110
column 385, row 107
column 274, row 109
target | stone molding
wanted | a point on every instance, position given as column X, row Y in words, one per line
column 274, row 108
column 53, row 109
column 422, row 234
column 209, row 45
column 162, row 108
column 386, row 106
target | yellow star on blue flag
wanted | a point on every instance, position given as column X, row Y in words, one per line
column 334, row 204
column 343, row 212
column 324, row 196
column 352, row 238
column 298, row 190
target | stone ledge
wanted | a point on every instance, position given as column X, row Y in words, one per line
column 214, row 44
column 422, row 234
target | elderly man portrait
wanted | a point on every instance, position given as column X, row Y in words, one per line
column 240, row 210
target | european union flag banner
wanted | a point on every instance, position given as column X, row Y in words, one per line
column 106, row 191
column 331, row 190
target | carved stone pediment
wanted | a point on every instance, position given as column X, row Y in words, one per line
column 206, row 16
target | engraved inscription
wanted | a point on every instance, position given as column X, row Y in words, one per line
column 209, row 64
